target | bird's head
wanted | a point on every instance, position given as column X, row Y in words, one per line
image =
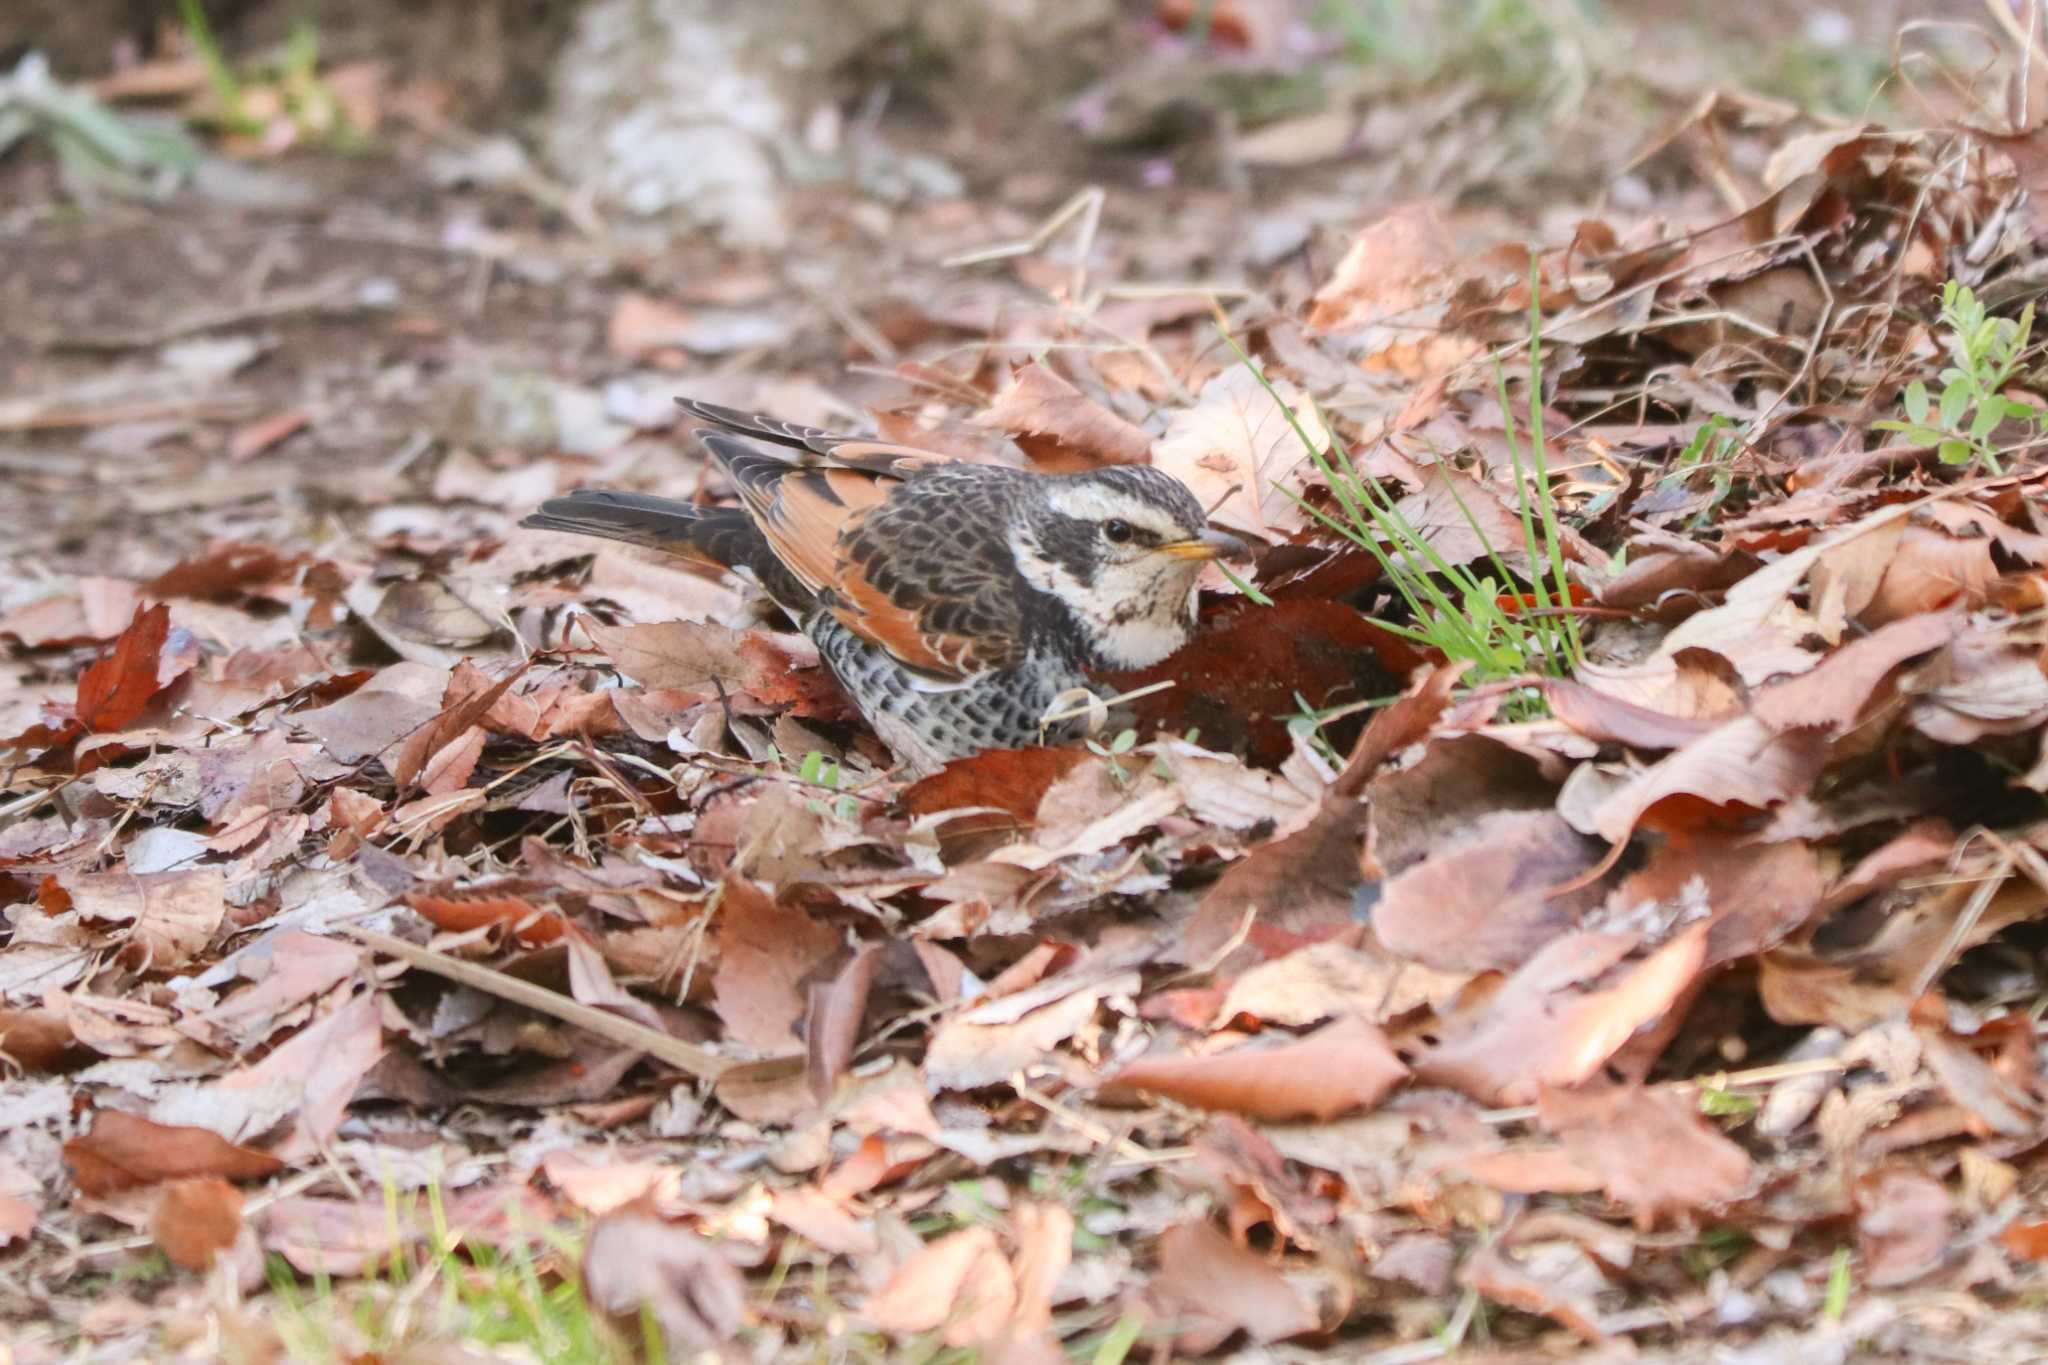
column 1120, row 548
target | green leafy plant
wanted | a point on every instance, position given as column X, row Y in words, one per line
column 1986, row 353
column 1485, row 618
column 289, row 84
column 97, row 149
column 1711, row 451
column 1123, row 743
column 820, row 771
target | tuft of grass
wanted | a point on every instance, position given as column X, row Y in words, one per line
column 1986, row 353
column 524, row 1295
column 1504, row 624
column 289, row 85
column 1841, row 1279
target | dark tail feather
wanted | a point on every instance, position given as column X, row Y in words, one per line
column 794, row 435
column 636, row 518
column 724, row 536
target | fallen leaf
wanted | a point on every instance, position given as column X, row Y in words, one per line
column 253, row 438
column 122, row 1151
column 1734, row 770
column 1902, row 1225
column 1059, row 427
column 765, row 953
column 1238, row 451
column 1557, row 1280
column 471, row 909
column 1553, row 1021
column 959, row 1286
column 1487, row 898
column 1650, row 1149
column 635, row 1263
column 195, row 1220
column 1341, row 1067
column 117, row 689
column 1205, row 1276
column 173, row 915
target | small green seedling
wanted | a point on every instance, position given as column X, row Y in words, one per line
column 1987, row 352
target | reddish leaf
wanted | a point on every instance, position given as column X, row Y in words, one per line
column 35, row 1039
column 1555, row 1021
column 460, row 912
column 1344, row 1066
column 196, row 1219
column 1487, row 900
column 1011, row 781
column 462, row 707
column 1060, row 428
column 1240, row 678
column 1902, row 1225
column 835, row 1018
column 122, row 1151
column 119, row 687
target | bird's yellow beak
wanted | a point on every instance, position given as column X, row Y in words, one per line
column 1207, row 545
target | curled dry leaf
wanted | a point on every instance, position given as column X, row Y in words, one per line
column 1344, row 1066
column 462, row 912
column 635, row 1262
column 122, row 1151
column 117, row 689
column 1734, row 770
column 1554, row 1021
column 1556, row 1280
column 1061, row 428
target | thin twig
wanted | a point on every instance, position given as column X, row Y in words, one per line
column 699, row 1062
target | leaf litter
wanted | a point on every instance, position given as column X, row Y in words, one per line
column 443, row 887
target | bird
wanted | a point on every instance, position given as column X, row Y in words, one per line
column 958, row 604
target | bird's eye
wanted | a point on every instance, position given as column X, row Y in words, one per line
column 1117, row 530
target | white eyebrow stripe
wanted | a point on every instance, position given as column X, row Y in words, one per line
column 1093, row 502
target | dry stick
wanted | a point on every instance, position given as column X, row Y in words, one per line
column 699, row 1062
column 1973, row 911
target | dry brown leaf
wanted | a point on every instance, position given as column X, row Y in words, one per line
column 635, row 1262
column 1393, row 268
column 960, row 1286
column 833, row 1026
column 1734, row 770
column 1205, row 1276
column 765, row 955
column 992, row 1042
column 122, row 1151
column 1238, row 450
column 1059, row 427
column 473, row 908
column 196, row 1219
column 322, row 1065
column 173, row 915
column 1551, row 1022
column 1902, row 1225
column 117, row 689
column 1650, row 1149
column 1341, row 1067
column 1557, row 1280
column 1488, row 899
